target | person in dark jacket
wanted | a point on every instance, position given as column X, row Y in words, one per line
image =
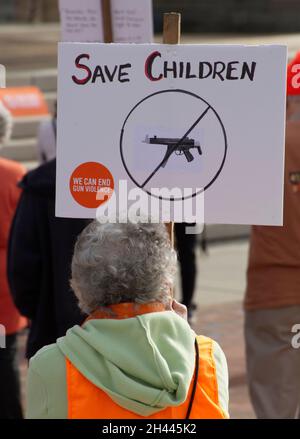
column 39, row 257
column 186, row 247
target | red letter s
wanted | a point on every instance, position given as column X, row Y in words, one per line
column 85, row 80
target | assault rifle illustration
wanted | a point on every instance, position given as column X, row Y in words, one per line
column 179, row 146
column 183, row 147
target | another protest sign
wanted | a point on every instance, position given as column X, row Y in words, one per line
column 132, row 21
column 24, row 101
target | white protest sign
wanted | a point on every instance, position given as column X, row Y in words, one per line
column 82, row 21
column 173, row 123
column 132, row 21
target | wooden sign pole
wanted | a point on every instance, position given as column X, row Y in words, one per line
column 171, row 35
column 107, row 21
column 172, row 28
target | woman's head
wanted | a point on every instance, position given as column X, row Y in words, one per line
column 115, row 263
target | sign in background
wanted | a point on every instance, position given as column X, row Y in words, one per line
column 204, row 118
column 82, row 21
column 24, row 101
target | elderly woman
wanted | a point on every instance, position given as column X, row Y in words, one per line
column 136, row 355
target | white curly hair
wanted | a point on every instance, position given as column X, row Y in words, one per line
column 115, row 263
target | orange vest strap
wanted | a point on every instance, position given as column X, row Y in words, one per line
column 208, row 368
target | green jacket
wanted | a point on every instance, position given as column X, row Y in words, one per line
column 144, row 364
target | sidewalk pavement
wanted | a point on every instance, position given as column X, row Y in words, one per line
column 220, row 288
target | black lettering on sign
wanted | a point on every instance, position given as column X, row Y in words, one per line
column 110, row 75
column 230, row 69
column 156, row 69
column 100, row 73
column 219, row 68
column 205, row 70
column 188, row 71
column 248, row 70
column 168, row 69
column 123, row 76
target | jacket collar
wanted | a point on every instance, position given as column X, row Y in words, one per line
column 126, row 310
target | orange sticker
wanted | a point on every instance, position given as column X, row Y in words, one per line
column 91, row 184
column 24, row 101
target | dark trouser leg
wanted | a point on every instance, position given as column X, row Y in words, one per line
column 187, row 257
column 10, row 405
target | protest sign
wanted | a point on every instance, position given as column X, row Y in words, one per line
column 81, row 21
column 132, row 21
column 24, row 101
column 204, row 119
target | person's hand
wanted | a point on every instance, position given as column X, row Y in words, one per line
column 180, row 309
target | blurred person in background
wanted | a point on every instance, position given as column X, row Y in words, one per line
column 186, row 247
column 39, row 267
column 39, row 260
column 46, row 141
column 272, row 300
column 10, row 174
column 135, row 356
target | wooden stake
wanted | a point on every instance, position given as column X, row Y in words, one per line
column 172, row 28
column 171, row 35
column 107, row 21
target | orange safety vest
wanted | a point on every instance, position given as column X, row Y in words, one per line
column 87, row 401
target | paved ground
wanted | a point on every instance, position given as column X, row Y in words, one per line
column 220, row 288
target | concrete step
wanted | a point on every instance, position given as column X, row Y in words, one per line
column 24, row 127
column 45, row 79
column 22, row 150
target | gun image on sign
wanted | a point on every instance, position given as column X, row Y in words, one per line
column 182, row 148
column 173, row 145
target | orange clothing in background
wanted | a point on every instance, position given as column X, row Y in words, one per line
column 10, row 174
column 274, row 257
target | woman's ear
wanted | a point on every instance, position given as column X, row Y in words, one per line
column 180, row 309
